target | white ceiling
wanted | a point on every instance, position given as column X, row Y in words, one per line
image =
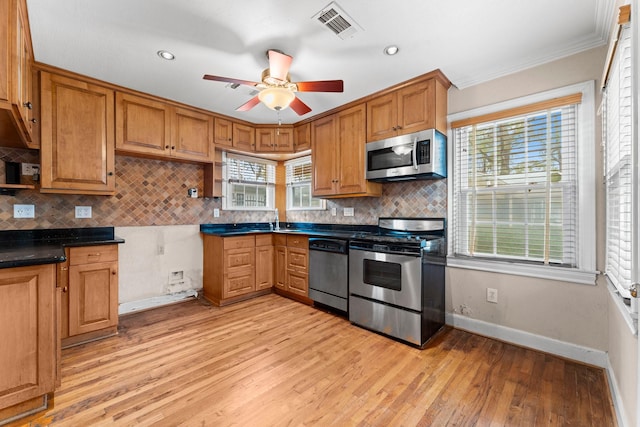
column 471, row 41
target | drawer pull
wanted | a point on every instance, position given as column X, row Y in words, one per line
column 96, row 254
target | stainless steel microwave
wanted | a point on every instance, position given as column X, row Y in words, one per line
column 420, row 155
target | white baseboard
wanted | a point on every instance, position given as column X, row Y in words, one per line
column 526, row 339
column 615, row 396
column 153, row 302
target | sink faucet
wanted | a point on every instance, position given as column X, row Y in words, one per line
column 277, row 220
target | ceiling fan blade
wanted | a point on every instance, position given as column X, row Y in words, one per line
column 229, row 80
column 249, row 104
column 321, row 86
column 279, row 64
column 299, row 107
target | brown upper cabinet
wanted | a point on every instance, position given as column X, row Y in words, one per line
column 152, row 128
column 302, row 137
column 418, row 106
column 223, row 133
column 278, row 139
column 337, row 155
column 77, row 152
column 244, row 137
column 16, row 80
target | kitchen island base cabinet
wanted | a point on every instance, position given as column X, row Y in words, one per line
column 29, row 351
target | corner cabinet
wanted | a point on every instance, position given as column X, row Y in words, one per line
column 77, row 152
column 151, row 128
column 274, row 139
column 337, row 155
column 415, row 107
column 29, row 351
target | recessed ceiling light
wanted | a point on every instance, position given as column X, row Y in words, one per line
column 165, row 54
column 391, row 50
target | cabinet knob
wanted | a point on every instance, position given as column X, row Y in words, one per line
column 173, row 147
column 64, row 268
column 28, row 104
column 34, row 120
column 110, row 174
column 65, row 289
column 114, row 272
column 166, row 147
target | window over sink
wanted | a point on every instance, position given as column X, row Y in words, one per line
column 248, row 183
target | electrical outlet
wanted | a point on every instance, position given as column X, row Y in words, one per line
column 348, row 212
column 492, row 295
column 216, row 213
column 334, row 212
column 83, row 211
column 24, row 211
column 30, row 168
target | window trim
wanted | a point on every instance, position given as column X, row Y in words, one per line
column 585, row 272
column 270, row 187
column 290, row 207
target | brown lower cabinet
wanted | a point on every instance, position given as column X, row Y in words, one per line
column 89, row 283
column 29, row 352
column 241, row 267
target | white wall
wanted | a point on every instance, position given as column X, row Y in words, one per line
column 581, row 316
column 149, row 256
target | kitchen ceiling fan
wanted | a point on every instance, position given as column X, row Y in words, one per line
column 277, row 91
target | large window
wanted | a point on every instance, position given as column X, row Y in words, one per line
column 521, row 185
column 248, row 183
column 298, row 181
column 620, row 156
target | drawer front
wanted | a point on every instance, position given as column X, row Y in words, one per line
column 90, row 254
column 298, row 241
column 280, row 240
column 297, row 259
column 297, row 283
column 243, row 257
column 264, row 240
column 239, row 242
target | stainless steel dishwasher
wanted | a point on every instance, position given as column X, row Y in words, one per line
column 329, row 272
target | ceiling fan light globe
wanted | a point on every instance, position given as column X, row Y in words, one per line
column 276, row 98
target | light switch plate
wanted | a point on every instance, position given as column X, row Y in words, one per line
column 216, row 213
column 83, row 211
column 24, row 211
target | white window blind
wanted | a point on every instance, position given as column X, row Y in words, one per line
column 298, row 180
column 248, row 183
column 617, row 137
column 515, row 186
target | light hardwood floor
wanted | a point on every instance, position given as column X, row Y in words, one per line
column 271, row 361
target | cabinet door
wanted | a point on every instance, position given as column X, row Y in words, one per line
column 264, row 267
column 23, row 61
column 142, row 125
column 77, row 137
column 382, row 117
column 93, row 297
column 28, row 335
column 297, row 259
column 192, row 136
column 244, row 137
column 302, row 137
column 351, row 167
column 284, row 140
column 323, row 156
column 265, row 140
column 281, row 267
column 223, row 132
column 416, row 108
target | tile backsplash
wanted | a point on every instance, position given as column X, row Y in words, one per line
column 154, row 192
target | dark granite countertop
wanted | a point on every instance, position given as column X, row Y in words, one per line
column 46, row 246
column 311, row 229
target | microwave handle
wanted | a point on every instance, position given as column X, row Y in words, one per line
column 415, row 153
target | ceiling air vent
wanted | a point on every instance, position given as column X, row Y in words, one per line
column 337, row 20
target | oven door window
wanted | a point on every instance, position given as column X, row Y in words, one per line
column 383, row 274
column 392, row 157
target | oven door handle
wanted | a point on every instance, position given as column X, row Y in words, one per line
column 415, row 153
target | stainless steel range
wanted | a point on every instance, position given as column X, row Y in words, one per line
column 396, row 279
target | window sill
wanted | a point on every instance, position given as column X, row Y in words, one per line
column 540, row 271
column 630, row 319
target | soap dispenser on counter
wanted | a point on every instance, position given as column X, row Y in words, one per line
column 277, row 220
